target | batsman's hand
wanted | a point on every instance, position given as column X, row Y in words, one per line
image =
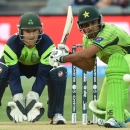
column 34, row 108
column 63, row 48
column 16, row 109
column 56, row 57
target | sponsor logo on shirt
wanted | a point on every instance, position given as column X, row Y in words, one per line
column 98, row 39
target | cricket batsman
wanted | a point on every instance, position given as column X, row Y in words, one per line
column 112, row 45
column 26, row 53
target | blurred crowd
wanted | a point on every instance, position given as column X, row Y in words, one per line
column 108, row 7
column 59, row 7
column 101, row 3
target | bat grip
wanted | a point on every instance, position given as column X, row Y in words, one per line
column 56, row 64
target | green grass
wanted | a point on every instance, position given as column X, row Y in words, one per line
column 27, row 83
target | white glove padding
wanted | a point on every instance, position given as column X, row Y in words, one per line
column 34, row 108
column 16, row 109
column 63, row 48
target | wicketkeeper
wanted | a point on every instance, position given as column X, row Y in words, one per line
column 27, row 54
column 112, row 45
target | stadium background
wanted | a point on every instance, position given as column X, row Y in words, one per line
column 54, row 25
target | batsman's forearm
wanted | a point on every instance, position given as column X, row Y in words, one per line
column 84, row 65
column 87, row 65
column 77, row 57
column 71, row 58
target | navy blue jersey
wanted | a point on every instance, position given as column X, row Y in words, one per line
column 15, row 53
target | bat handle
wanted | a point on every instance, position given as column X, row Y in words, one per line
column 62, row 43
column 56, row 64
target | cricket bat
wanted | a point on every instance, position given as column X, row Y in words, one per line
column 68, row 25
column 67, row 29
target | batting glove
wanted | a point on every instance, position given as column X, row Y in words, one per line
column 16, row 109
column 34, row 108
column 63, row 48
column 56, row 57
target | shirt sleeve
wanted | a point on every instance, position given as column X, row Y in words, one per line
column 45, row 56
column 11, row 60
column 44, row 67
column 9, row 56
column 14, row 79
column 41, row 78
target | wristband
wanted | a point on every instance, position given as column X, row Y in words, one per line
column 62, row 59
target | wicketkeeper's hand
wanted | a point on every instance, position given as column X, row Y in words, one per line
column 16, row 109
column 34, row 108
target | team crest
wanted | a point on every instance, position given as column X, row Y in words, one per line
column 0, row 70
column 30, row 22
column 86, row 14
column 98, row 39
column 60, row 73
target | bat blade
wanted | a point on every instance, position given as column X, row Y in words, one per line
column 68, row 25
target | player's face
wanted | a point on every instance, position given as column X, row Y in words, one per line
column 91, row 28
column 30, row 37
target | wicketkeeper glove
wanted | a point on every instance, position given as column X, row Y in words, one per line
column 16, row 109
column 34, row 108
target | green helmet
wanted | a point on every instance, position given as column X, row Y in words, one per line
column 30, row 20
column 88, row 14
